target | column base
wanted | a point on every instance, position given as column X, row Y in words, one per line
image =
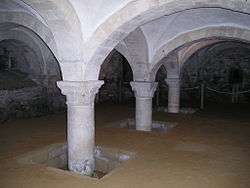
column 174, row 109
column 145, row 129
column 85, row 167
column 81, row 124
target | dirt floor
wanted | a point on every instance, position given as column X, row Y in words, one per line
column 210, row 149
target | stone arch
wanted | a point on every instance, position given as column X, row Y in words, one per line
column 62, row 21
column 185, row 53
column 220, row 32
column 24, row 38
column 135, row 14
column 135, row 48
column 18, row 48
column 55, row 22
column 13, row 31
column 216, row 47
column 162, row 68
column 31, row 23
column 124, row 55
column 122, row 49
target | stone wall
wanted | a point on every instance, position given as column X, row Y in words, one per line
column 29, row 102
column 214, row 65
column 28, row 87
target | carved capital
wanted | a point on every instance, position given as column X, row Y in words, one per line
column 144, row 89
column 80, row 93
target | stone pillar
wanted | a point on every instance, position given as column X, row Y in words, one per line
column 144, row 92
column 173, row 95
column 80, row 124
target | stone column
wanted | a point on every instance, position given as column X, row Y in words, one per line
column 144, row 92
column 80, row 124
column 173, row 95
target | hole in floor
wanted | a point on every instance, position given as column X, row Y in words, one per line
column 157, row 126
column 55, row 156
column 182, row 110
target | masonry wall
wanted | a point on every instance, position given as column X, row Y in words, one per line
column 28, row 88
column 213, row 66
column 29, row 102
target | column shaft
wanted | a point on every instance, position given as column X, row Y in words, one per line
column 144, row 92
column 81, row 124
column 80, row 139
column 173, row 95
column 143, row 116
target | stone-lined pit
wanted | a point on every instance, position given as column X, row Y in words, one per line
column 157, row 126
column 55, row 156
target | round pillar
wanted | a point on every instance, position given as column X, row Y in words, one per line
column 144, row 92
column 173, row 95
column 80, row 124
column 143, row 116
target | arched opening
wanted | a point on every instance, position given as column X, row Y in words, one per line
column 29, row 72
column 223, row 69
column 115, row 94
column 220, row 64
column 161, row 94
column 117, row 75
column 19, row 65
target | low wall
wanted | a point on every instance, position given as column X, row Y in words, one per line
column 29, row 102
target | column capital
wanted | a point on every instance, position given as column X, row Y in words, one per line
column 144, row 89
column 80, row 93
column 173, row 81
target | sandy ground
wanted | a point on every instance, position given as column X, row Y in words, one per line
column 206, row 150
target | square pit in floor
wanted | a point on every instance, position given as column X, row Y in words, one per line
column 157, row 126
column 55, row 156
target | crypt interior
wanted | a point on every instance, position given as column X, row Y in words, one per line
column 124, row 93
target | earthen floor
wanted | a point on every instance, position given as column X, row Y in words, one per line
column 206, row 150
